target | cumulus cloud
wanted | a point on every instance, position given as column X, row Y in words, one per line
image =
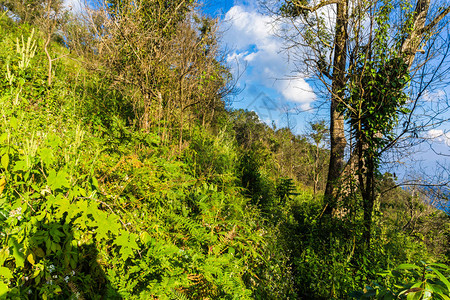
column 439, row 136
column 251, row 35
column 247, row 28
column 297, row 91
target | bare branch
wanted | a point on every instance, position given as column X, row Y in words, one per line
column 436, row 20
column 298, row 4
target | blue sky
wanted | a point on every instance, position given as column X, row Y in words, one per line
column 272, row 88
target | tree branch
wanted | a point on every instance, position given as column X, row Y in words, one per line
column 314, row 8
column 436, row 20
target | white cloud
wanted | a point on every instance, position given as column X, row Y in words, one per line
column 439, row 136
column 236, row 57
column 434, row 96
column 75, row 6
column 248, row 27
column 298, row 91
column 256, row 47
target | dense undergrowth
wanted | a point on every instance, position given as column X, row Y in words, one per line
column 93, row 206
column 101, row 210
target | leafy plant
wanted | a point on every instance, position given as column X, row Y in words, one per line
column 411, row 281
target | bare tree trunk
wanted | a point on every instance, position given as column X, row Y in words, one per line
column 181, row 129
column 316, row 169
column 50, row 27
column 160, row 110
column 47, row 42
column 180, row 95
column 337, row 134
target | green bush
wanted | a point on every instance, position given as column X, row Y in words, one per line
column 211, row 158
column 411, row 281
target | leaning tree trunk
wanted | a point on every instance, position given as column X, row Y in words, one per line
column 416, row 37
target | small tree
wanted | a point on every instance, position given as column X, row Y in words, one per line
column 319, row 135
column 52, row 18
column 162, row 56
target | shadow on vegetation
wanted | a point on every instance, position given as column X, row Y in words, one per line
column 66, row 270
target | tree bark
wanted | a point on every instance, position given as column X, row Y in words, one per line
column 337, row 134
column 415, row 39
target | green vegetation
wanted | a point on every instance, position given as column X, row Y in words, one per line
column 123, row 176
column 412, row 282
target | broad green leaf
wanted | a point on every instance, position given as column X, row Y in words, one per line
column 46, row 155
column 63, row 207
column 133, row 238
column 445, row 267
column 103, row 228
column 94, row 182
column 443, row 279
column 122, row 239
column 39, row 252
column 36, row 275
column 19, row 257
column 430, row 276
column 56, row 234
column 3, row 289
column 20, row 165
column 427, row 295
column 57, row 180
column 53, row 140
column 408, row 267
column 14, row 122
column 5, row 161
column 126, row 252
column 414, row 296
column 145, row 237
column 73, row 263
column 5, row 273
column 436, row 288
column 2, row 185
column 3, row 138
column 4, row 254
column 417, row 285
column 127, row 243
